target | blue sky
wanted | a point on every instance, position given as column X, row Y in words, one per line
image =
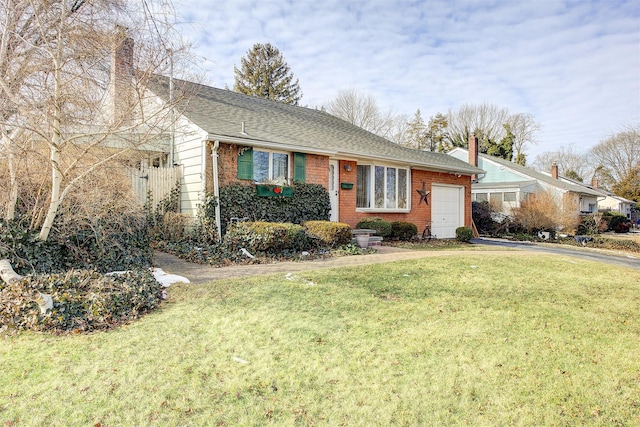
column 573, row 65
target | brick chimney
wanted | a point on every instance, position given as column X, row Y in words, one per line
column 594, row 182
column 554, row 170
column 473, row 149
column 120, row 85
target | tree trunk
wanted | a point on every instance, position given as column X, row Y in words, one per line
column 10, row 212
column 54, row 203
column 6, row 272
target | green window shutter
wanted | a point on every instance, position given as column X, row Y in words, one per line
column 245, row 164
column 299, row 167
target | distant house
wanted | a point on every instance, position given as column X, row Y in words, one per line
column 506, row 184
column 612, row 203
column 223, row 137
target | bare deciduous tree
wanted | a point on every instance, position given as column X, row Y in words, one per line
column 571, row 163
column 619, row 154
column 362, row 110
column 60, row 96
column 485, row 120
column 524, row 129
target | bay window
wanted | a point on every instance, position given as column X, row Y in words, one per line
column 382, row 187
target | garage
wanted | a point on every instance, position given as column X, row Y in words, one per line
column 447, row 210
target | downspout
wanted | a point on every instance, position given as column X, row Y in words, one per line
column 216, row 188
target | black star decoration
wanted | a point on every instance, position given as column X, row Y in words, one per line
column 423, row 194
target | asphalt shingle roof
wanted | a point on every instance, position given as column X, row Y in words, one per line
column 541, row 176
column 221, row 113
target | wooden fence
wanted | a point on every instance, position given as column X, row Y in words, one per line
column 154, row 183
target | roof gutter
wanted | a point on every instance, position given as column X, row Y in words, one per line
column 344, row 155
column 267, row 144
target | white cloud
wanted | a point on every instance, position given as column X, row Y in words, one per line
column 574, row 65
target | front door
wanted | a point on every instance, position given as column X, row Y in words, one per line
column 333, row 190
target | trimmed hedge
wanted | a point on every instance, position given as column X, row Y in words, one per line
column 382, row 227
column 402, row 230
column 464, row 234
column 83, row 301
column 328, row 234
column 309, row 202
column 267, row 237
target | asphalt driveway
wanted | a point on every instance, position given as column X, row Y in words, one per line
column 622, row 259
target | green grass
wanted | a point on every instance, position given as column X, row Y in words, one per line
column 461, row 340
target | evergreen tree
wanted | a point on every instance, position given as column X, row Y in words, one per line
column 504, row 148
column 521, row 159
column 436, row 135
column 265, row 74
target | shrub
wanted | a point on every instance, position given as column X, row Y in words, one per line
column 403, row 230
column 121, row 243
column 621, row 227
column 482, row 216
column 464, row 234
column 309, row 202
column 542, row 211
column 382, row 227
column 83, row 300
column 617, row 222
column 206, row 229
column 27, row 253
column 328, row 234
column 267, row 237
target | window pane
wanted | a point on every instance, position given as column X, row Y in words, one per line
column 260, row 166
column 495, row 198
column 391, row 188
column 481, row 197
column 280, row 165
column 363, row 186
column 402, row 189
column 510, row 196
column 379, row 187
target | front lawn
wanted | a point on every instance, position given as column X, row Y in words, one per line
column 470, row 339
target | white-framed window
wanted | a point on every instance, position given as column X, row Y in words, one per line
column 510, row 196
column 481, row 197
column 270, row 166
column 382, row 187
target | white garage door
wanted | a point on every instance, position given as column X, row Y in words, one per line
column 447, row 210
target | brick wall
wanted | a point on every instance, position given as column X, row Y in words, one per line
column 420, row 213
column 317, row 172
column 317, row 167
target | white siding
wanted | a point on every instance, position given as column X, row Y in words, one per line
column 189, row 153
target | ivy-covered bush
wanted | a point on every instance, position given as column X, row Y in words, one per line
column 382, row 227
column 206, row 229
column 266, row 237
column 118, row 243
column 328, row 234
column 402, row 230
column 83, row 301
column 464, row 234
column 309, row 202
column 27, row 253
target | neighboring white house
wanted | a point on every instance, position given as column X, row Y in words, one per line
column 506, row 184
column 609, row 201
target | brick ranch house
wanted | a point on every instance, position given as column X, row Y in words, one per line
column 223, row 137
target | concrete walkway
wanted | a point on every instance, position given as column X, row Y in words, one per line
column 200, row 273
